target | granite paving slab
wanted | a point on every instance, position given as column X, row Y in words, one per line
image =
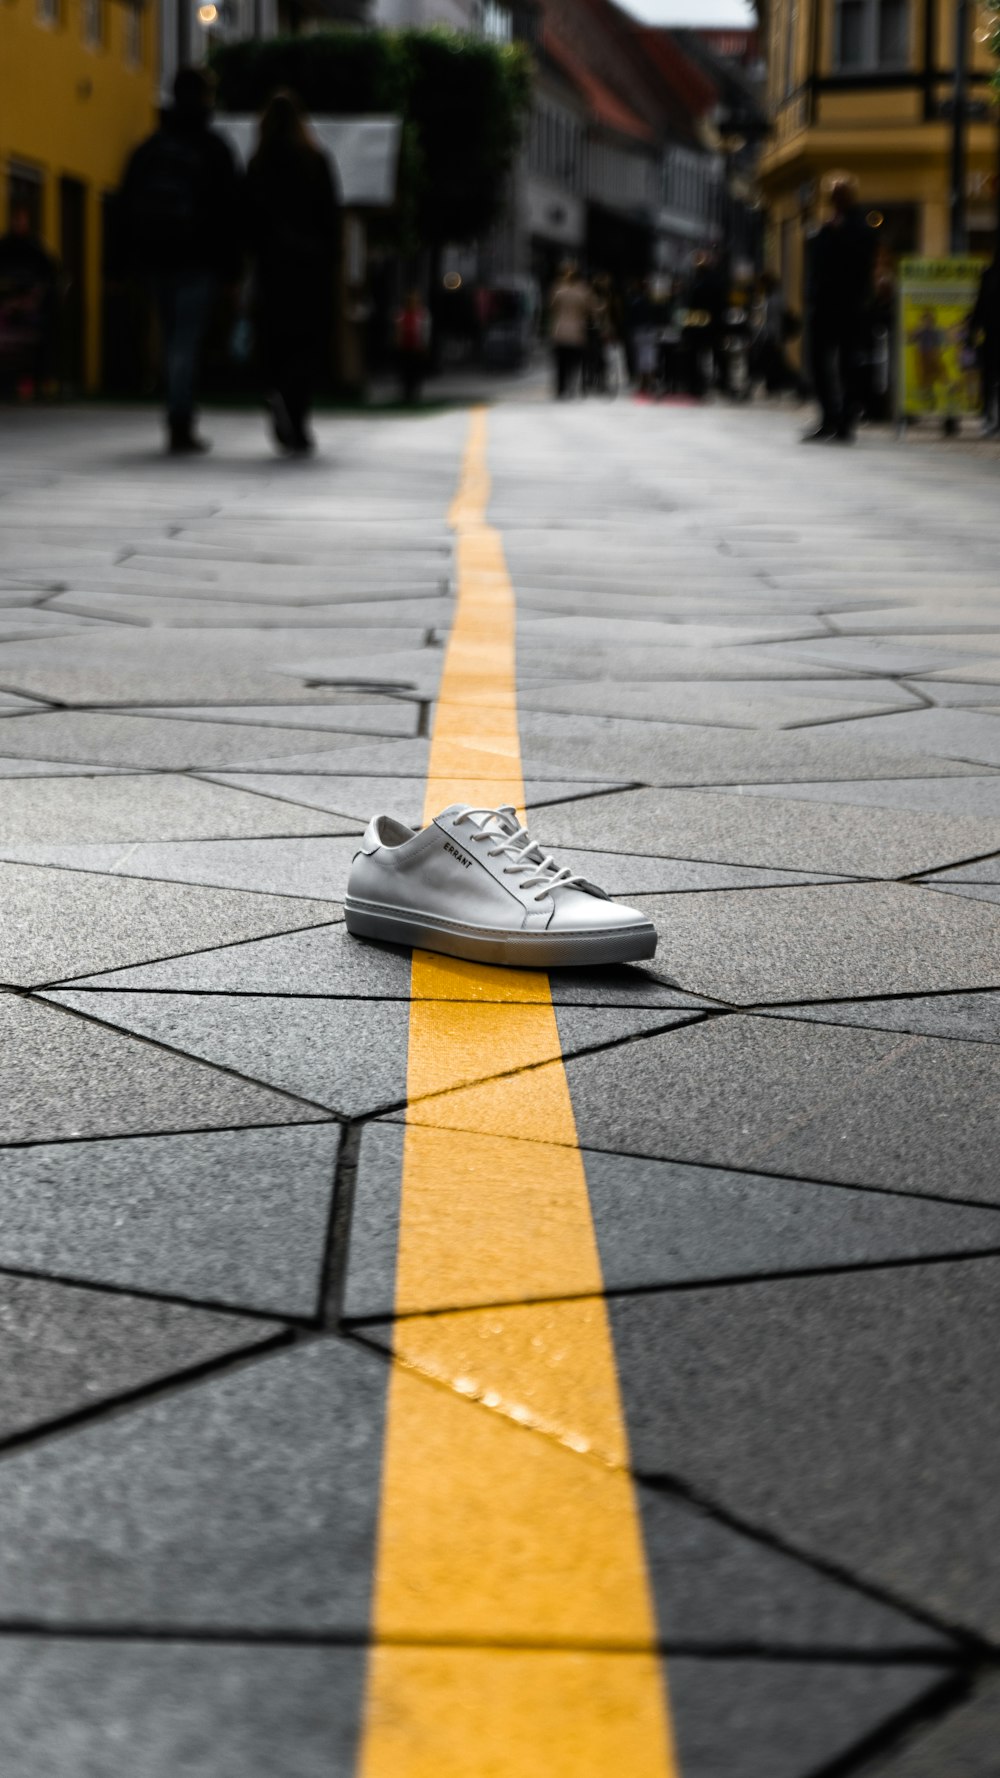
column 823, row 943
column 908, row 618
column 50, row 768
column 347, row 1055
column 807, row 1101
column 967, row 1017
column 359, row 798
column 385, row 716
column 110, row 1708
column 770, row 832
column 399, row 760
column 657, row 1223
column 310, row 1422
column 10, row 703
column 125, row 1523
column 949, row 734
column 124, row 807
column 874, row 654
column 984, row 870
column 715, row 703
column 64, row 1349
column 415, row 670
column 791, row 1401
column 177, row 612
column 674, row 634
column 328, row 961
column 605, row 661
column 60, row 923
column 236, row 1217
column 657, row 754
column 955, row 694
column 404, row 574
column 111, row 738
column 758, row 1719
column 291, row 868
column 962, row 1743
column 628, row 873
column 65, row 1077
column 158, row 679
column 972, row 891
column 979, row 796
column 78, row 1707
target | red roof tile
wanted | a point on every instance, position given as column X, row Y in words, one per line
column 604, row 104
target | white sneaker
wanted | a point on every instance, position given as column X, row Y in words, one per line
column 474, row 885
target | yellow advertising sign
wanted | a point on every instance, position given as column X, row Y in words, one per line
column 936, row 370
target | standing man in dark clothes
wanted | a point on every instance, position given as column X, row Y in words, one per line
column 293, row 221
column 839, row 277
column 985, row 320
column 180, row 228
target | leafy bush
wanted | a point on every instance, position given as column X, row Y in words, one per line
column 462, row 101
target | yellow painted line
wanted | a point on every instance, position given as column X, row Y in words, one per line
column 514, row 1626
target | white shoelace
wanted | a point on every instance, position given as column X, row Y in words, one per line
column 515, row 842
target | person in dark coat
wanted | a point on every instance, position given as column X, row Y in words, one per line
column 840, row 271
column 178, row 227
column 293, row 216
column 984, row 324
column 29, row 287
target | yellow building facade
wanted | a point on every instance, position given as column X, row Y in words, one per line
column 866, row 85
column 78, row 82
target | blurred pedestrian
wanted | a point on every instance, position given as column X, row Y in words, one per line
column 768, row 363
column 570, row 309
column 707, row 296
column 840, row 269
column 178, row 219
column 413, row 344
column 601, row 365
column 28, row 304
column 292, row 225
column 645, row 338
column 983, row 326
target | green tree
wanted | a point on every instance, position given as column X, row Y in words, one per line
column 462, row 101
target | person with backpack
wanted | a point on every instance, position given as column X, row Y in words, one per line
column 179, row 228
column 293, row 220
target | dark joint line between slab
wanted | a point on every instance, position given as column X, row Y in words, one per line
column 333, row 1272
column 127, row 877
column 967, row 1645
column 217, row 1305
column 696, row 1016
column 728, row 1281
column 189, row 1056
column 169, row 1130
column 290, row 1637
column 233, row 944
column 754, row 1172
column 113, row 1406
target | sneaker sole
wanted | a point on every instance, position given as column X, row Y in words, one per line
column 522, row 950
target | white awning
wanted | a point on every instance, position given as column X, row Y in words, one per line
column 364, row 150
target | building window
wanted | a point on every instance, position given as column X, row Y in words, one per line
column 132, row 39
column 92, row 19
column 870, row 35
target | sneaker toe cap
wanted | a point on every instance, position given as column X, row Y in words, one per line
column 576, row 911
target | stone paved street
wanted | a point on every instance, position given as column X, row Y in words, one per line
column 411, row 1369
